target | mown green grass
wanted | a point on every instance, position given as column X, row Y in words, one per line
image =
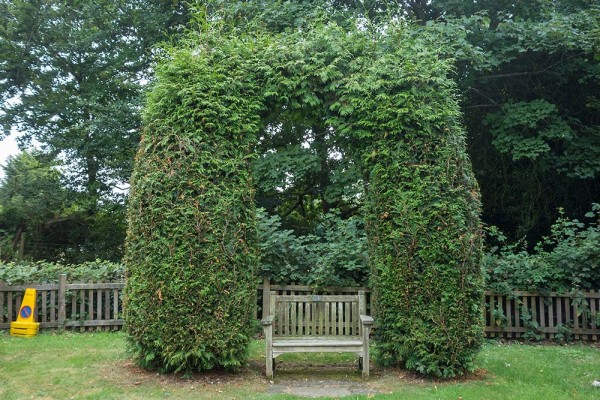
column 96, row 366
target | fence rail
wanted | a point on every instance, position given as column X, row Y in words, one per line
column 98, row 306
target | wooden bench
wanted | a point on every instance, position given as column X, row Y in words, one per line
column 317, row 323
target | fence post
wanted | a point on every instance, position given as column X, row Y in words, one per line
column 266, row 302
column 62, row 292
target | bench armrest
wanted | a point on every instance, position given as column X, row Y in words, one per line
column 267, row 320
column 366, row 320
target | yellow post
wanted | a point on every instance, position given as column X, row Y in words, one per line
column 25, row 325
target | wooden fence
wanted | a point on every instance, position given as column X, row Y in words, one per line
column 511, row 316
column 551, row 316
column 98, row 306
column 83, row 306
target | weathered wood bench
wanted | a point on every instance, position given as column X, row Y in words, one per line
column 317, row 323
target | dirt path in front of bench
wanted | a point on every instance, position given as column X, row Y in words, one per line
column 315, row 388
column 314, row 381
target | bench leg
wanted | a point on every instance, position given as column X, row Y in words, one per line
column 270, row 363
column 365, row 358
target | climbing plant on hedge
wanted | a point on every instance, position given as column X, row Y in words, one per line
column 190, row 254
column 383, row 97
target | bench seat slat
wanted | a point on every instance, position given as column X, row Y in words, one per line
column 317, row 342
column 316, row 298
column 277, row 351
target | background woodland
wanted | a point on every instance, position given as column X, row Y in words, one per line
column 75, row 74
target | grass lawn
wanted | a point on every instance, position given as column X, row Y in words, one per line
column 96, row 366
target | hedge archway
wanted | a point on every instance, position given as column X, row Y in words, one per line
column 190, row 249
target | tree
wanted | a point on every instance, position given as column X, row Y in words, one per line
column 531, row 110
column 31, row 196
column 72, row 81
column 528, row 76
column 527, row 73
column 72, row 90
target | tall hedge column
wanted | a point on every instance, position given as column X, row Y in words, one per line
column 425, row 245
column 190, row 256
column 422, row 213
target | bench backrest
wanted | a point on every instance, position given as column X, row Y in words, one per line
column 317, row 315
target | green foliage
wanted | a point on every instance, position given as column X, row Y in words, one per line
column 567, row 259
column 389, row 95
column 72, row 79
column 281, row 251
column 31, row 196
column 384, row 101
column 55, row 220
column 31, row 188
column 531, row 109
column 73, row 69
column 564, row 333
column 335, row 254
column 339, row 258
column 73, row 75
column 190, row 255
column 20, row 273
column 527, row 130
column 529, row 319
column 529, row 78
column 499, row 317
column 422, row 208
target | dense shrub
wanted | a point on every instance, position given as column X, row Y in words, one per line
column 190, row 256
column 422, row 211
column 335, row 254
column 16, row 273
column 567, row 259
column 386, row 100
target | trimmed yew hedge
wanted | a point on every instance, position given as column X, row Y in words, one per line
column 423, row 216
column 190, row 256
column 190, row 246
